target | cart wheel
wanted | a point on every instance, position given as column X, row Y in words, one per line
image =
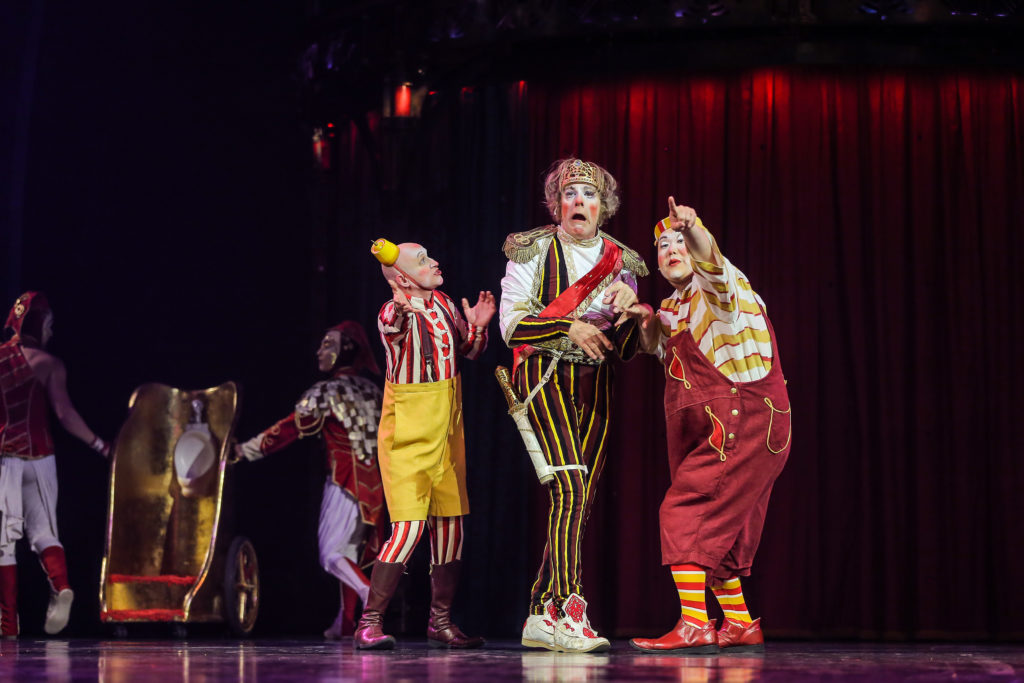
column 119, row 631
column 241, row 587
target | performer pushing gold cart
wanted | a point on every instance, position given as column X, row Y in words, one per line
column 420, row 441
column 343, row 411
column 563, row 298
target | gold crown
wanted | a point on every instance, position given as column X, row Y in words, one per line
column 580, row 171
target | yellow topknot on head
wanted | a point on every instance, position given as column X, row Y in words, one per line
column 386, row 252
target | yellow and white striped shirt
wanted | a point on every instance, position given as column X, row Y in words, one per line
column 724, row 315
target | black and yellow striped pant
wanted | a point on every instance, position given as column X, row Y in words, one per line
column 570, row 416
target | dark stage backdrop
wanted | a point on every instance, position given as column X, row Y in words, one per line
column 875, row 212
column 165, row 213
column 167, row 202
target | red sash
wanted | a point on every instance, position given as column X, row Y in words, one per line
column 567, row 302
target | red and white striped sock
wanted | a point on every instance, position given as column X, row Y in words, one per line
column 445, row 539
column 730, row 597
column 690, row 580
column 404, row 537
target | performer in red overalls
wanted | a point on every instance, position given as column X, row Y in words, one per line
column 728, row 424
column 344, row 410
column 31, row 382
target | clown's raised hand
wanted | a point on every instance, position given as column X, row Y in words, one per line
column 481, row 314
column 681, row 217
column 402, row 304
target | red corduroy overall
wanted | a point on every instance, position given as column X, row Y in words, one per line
column 727, row 443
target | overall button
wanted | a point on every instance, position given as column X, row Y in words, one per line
column 731, row 435
column 733, row 390
column 735, row 412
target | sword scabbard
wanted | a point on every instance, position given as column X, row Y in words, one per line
column 518, row 412
column 504, row 378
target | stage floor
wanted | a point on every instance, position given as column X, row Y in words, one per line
column 128, row 661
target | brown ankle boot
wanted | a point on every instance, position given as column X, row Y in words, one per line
column 441, row 632
column 369, row 633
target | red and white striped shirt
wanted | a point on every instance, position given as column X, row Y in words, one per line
column 424, row 346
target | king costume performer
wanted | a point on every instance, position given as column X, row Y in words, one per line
column 344, row 411
column 727, row 415
column 32, row 381
column 420, row 440
column 563, row 301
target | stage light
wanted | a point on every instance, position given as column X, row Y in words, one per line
column 307, row 62
column 403, row 100
column 883, row 9
column 700, row 10
column 322, row 149
column 990, row 9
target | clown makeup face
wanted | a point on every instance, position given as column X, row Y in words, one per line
column 673, row 259
column 423, row 271
column 581, row 209
column 327, row 354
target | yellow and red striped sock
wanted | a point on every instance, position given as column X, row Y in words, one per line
column 689, row 580
column 730, row 598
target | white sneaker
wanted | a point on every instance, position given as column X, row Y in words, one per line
column 58, row 611
column 539, row 629
column 573, row 632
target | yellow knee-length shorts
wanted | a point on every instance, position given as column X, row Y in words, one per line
column 421, row 450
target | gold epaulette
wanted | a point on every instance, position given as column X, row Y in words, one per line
column 520, row 247
column 630, row 258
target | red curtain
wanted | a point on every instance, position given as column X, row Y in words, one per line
column 878, row 214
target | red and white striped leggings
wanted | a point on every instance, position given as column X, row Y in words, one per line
column 445, row 540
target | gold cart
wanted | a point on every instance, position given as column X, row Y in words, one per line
column 169, row 554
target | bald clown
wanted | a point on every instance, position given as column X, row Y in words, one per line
column 420, row 442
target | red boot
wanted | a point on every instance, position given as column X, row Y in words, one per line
column 344, row 624
column 738, row 637
column 9, row 601
column 348, row 622
column 56, row 567
column 59, row 609
column 684, row 639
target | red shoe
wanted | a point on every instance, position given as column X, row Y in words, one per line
column 738, row 637
column 684, row 639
